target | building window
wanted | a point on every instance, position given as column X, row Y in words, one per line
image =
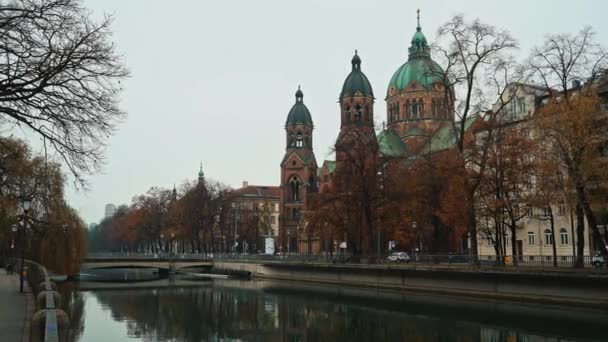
column 294, row 185
column 357, row 112
column 548, row 237
column 530, row 212
column 489, row 240
column 529, row 182
column 415, row 110
column 507, row 240
column 347, row 113
column 525, row 132
column 531, row 239
column 513, row 109
column 522, row 105
column 299, row 142
column 273, row 219
column 561, row 208
column 563, row 235
column 295, row 214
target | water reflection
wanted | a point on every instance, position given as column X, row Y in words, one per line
column 268, row 311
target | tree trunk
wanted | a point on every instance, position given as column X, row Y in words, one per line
column 583, row 201
column 514, row 242
column 580, row 237
column 552, row 221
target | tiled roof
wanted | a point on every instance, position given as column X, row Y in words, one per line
column 259, row 191
column 445, row 137
column 390, row 145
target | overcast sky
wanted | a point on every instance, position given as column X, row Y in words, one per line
column 213, row 81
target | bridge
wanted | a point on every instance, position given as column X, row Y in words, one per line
column 161, row 262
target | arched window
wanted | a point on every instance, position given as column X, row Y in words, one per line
column 548, row 238
column 396, row 111
column 563, row 235
column 407, row 110
column 291, row 140
column 347, row 113
column 367, row 113
column 414, row 110
column 358, row 112
column 294, row 186
column 299, row 142
column 434, row 108
column 295, row 214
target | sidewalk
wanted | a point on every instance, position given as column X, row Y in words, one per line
column 12, row 308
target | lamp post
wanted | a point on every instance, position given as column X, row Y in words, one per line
column 417, row 237
column 235, row 207
column 27, row 205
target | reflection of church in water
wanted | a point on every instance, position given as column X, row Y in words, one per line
column 418, row 120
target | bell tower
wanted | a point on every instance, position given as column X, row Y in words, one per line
column 298, row 175
column 356, row 113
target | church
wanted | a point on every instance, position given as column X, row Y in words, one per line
column 418, row 120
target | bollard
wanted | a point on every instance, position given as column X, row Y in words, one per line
column 38, row 326
column 41, row 299
column 42, row 285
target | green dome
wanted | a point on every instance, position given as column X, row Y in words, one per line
column 299, row 114
column 423, row 70
column 356, row 81
column 419, row 67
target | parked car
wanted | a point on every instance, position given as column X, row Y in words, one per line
column 598, row 260
column 398, row 257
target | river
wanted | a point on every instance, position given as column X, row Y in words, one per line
column 193, row 310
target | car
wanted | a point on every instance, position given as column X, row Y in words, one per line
column 398, row 257
column 598, row 260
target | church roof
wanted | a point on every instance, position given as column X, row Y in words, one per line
column 419, row 67
column 299, row 113
column 415, row 131
column 390, row 145
column 306, row 155
column 445, row 137
column 356, row 82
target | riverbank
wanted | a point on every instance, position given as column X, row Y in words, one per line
column 569, row 288
column 16, row 308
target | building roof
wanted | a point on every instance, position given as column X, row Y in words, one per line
column 305, row 154
column 445, row 137
column 414, row 131
column 390, row 145
column 257, row 191
column 419, row 67
column 330, row 165
column 356, row 82
column 299, row 113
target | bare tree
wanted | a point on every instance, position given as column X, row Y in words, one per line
column 60, row 78
column 478, row 68
column 574, row 125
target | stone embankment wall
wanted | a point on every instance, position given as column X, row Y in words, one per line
column 566, row 288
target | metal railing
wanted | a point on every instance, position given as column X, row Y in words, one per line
column 543, row 262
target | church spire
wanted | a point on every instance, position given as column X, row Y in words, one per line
column 418, row 28
column 201, row 174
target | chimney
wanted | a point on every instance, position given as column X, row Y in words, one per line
column 245, row 184
column 576, row 84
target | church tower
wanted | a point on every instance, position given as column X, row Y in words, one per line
column 416, row 101
column 356, row 113
column 298, row 174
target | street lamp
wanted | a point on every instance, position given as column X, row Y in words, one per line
column 26, row 203
column 418, row 248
